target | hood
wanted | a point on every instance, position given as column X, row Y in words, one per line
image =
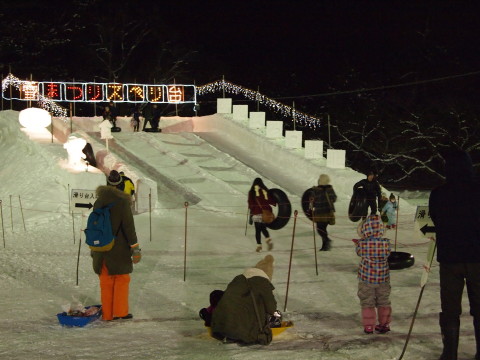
column 372, row 227
column 458, row 166
column 109, row 193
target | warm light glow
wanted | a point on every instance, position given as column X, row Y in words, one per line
column 285, row 110
column 74, row 147
column 48, row 92
column 33, row 118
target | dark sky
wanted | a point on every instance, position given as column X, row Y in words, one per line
column 314, row 40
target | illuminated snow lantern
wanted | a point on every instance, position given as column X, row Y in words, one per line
column 34, row 118
column 74, row 147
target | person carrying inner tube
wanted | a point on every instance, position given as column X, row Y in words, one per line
column 322, row 208
column 259, row 200
column 372, row 191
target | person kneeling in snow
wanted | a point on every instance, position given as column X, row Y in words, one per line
column 245, row 308
column 374, row 275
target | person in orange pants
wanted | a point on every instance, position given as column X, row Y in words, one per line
column 115, row 265
column 114, row 294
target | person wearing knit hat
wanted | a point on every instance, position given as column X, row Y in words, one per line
column 114, row 267
column 114, row 178
column 322, row 208
column 390, row 209
column 235, row 318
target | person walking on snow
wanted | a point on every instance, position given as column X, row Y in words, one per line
column 372, row 190
column 259, row 200
column 114, row 267
column 455, row 213
column 374, row 275
column 390, row 209
column 322, row 208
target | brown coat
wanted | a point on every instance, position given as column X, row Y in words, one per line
column 119, row 259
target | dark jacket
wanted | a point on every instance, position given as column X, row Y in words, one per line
column 320, row 201
column 235, row 317
column 455, row 212
column 118, row 260
column 372, row 189
column 259, row 200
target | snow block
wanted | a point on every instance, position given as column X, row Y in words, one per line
column 257, row 120
column 336, row 159
column 293, row 139
column 224, row 106
column 274, row 129
column 313, row 149
column 240, row 112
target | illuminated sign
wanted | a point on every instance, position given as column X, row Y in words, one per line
column 14, row 88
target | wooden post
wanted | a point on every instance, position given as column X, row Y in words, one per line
column 73, row 227
column 315, row 245
column 3, row 227
column 150, row 212
column 295, row 213
column 185, row 245
column 11, row 212
column 21, row 210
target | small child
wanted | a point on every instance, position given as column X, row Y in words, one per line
column 206, row 313
column 374, row 275
column 390, row 208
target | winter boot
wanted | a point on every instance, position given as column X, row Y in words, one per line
column 269, row 244
column 476, row 325
column 259, row 248
column 384, row 318
column 369, row 317
column 327, row 244
column 450, row 327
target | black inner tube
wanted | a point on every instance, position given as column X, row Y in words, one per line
column 284, row 209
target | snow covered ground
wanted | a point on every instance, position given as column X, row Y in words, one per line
column 213, row 171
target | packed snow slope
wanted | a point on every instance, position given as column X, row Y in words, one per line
column 212, row 170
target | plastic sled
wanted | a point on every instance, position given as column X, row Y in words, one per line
column 275, row 331
column 79, row 321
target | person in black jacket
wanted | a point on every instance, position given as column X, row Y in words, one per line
column 455, row 213
column 372, row 191
column 323, row 209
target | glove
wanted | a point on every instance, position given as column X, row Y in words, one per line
column 136, row 255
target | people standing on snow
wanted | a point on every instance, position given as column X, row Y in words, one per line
column 323, row 209
column 157, row 113
column 374, row 275
column 114, row 266
column 259, row 201
column 246, row 306
column 390, row 209
column 113, row 113
column 372, row 191
column 136, row 113
column 455, row 213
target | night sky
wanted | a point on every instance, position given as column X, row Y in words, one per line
column 309, row 43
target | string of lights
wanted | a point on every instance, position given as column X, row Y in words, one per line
column 43, row 102
column 285, row 110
